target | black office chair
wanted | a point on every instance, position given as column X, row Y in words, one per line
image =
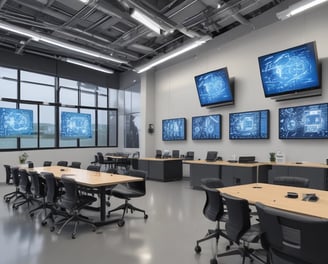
column 158, row 154
column 38, row 190
column 17, row 193
column 213, row 210
column 95, row 161
column 8, row 174
column 93, row 168
column 25, row 188
column 292, row 181
column 239, row 229
column 127, row 192
column 109, row 162
column 293, row 238
column 74, row 203
column 189, row 155
column 135, row 160
column 30, row 164
column 47, row 163
column 175, row 154
column 75, row 164
column 211, row 155
column 62, row 163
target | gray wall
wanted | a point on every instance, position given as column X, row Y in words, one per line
column 175, row 93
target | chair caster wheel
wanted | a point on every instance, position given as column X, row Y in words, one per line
column 43, row 223
column 73, row 236
column 120, row 223
column 198, row 249
column 213, row 261
column 7, row 200
column 227, row 248
column 32, row 215
column 94, row 229
column 52, row 229
column 145, row 216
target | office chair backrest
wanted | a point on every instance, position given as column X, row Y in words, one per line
column 292, row 181
column 76, row 164
column 37, row 184
column 175, row 153
column 100, row 157
column 52, row 187
column 93, row 168
column 239, row 217
column 139, row 185
column 15, row 174
column 24, row 181
column 136, row 155
column 189, row 155
column 30, row 164
column 47, row 163
column 293, row 238
column 211, row 155
column 70, row 198
column 62, row 163
column 213, row 208
column 8, row 172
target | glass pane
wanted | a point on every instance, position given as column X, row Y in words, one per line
column 84, row 142
column 8, row 142
column 32, row 140
column 47, row 126
column 88, row 99
column 113, row 98
column 102, row 97
column 132, row 128
column 68, row 96
column 102, row 128
column 37, row 78
column 112, row 126
column 37, row 92
column 64, row 142
column 135, row 99
column 8, row 83
column 127, row 102
column 68, row 83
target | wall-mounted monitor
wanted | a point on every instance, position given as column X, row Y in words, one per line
column 304, row 122
column 291, row 73
column 75, row 125
column 249, row 125
column 15, row 122
column 206, row 127
column 174, row 129
column 214, row 88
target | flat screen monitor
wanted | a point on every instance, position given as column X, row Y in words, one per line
column 15, row 122
column 304, row 122
column 249, row 125
column 292, row 72
column 174, row 129
column 206, row 127
column 214, row 88
column 75, row 125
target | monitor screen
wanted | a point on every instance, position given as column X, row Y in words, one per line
column 15, row 122
column 75, row 125
column 290, row 71
column 174, row 129
column 249, row 125
column 304, row 122
column 214, row 88
column 206, row 127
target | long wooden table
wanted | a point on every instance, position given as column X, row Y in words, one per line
column 94, row 179
column 275, row 196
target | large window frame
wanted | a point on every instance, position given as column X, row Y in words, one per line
column 109, row 113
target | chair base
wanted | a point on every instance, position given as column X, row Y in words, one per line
column 125, row 207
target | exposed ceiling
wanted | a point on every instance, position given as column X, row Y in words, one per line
column 106, row 27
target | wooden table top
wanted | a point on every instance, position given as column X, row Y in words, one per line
column 222, row 163
column 162, row 159
column 86, row 177
column 275, row 196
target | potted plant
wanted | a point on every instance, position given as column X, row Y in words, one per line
column 272, row 156
column 22, row 158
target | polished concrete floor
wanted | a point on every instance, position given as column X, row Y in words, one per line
column 168, row 236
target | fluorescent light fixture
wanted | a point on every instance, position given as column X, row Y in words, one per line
column 88, row 65
column 146, row 20
column 53, row 42
column 298, row 8
column 172, row 54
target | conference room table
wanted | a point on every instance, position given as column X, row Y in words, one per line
column 94, row 179
column 275, row 196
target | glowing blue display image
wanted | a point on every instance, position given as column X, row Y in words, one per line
column 75, row 125
column 249, row 125
column 174, row 129
column 302, row 122
column 206, row 127
column 290, row 70
column 214, row 87
column 15, row 122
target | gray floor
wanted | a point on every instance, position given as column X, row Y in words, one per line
column 168, row 236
